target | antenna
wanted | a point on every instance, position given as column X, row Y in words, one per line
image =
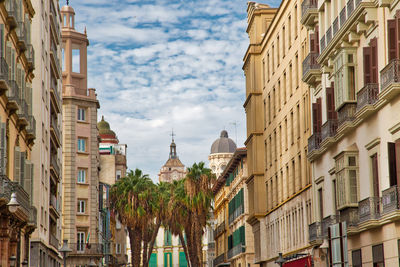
column 235, row 124
column 172, row 134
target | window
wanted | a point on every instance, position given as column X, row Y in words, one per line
column 81, row 114
column 394, row 162
column 356, row 258
column 81, row 145
column 80, row 241
column 317, row 116
column 338, row 244
column 345, row 78
column 167, row 238
column 370, row 56
column 76, row 60
column 118, row 248
column 346, row 179
column 375, row 175
column 321, row 204
column 330, row 102
column 81, row 206
column 119, row 173
column 393, row 37
column 378, row 258
column 81, row 176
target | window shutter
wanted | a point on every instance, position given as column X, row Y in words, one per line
column 312, row 42
column 392, row 164
column 242, row 235
column 397, row 158
column 22, row 169
column 353, row 186
column 319, row 114
column 330, row 102
column 392, row 39
column 374, row 60
column 315, row 115
column 375, row 175
column 3, row 149
column 367, row 65
column 28, row 178
column 17, row 164
column 397, row 33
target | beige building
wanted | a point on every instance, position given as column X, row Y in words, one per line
column 46, row 153
column 112, row 167
column 17, row 132
column 354, row 87
column 80, row 212
column 278, row 126
column 233, row 235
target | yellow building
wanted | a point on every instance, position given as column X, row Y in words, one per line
column 233, row 235
column 17, row 131
column 352, row 70
column 278, row 127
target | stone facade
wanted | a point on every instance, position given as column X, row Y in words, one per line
column 80, row 149
column 353, row 150
column 46, row 153
column 278, row 127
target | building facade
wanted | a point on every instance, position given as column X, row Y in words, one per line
column 80, row 211
column 47, row 151
column 112, row 167
column 17, row 132
column 233, row 235
column 278, row 127
column 354, row 87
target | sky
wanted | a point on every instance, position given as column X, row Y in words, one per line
column 159, row 65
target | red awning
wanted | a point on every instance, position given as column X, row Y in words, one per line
column 303, row 262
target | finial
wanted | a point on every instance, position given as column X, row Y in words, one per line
column 85, row 30
column 172, row 134
column 102, row 117
column 67, row 2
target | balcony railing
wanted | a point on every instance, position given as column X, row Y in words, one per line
column 390, row 74
column 83, row 248
column 13, row 95
column 53, row 14
column 335, row 25
column 33, row 216
column 310, row 63
column 30, row 56
column 329, row 129
column 31, row 128
column 350, row 216
column 329, row 35
column 54, row 127
column 369, row 209
column 23, row 109
column 326, row 222
column 315, row 232
column 313, row 142
column 236, row 213
column 54, row 90
column 220, row 259
column 307, row 5
column 390, row 199
column 342, row 17
column 322, row 43
column 12, row 12
column 236, row 250
column 53, row 241
column 346, row 113
column 54, row 165
column 368, row 95
column 350, row 7
column 220, row 228
column 22, row 35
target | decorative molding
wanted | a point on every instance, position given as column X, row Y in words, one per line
column 373, row 143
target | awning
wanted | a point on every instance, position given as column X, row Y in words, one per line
column 302, row 262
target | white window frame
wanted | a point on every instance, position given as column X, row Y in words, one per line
column 346, row 186
column 81, row 142
column 80, row 246
column 81, row 206
column 81, row 114
column 81, row 176
column 118, row 175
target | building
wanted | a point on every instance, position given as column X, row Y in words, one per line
column 222, row 150
column 46, row 153
column 80, row 212
column 112, row 167
column 278, row 127
column 17, row 132
column 233, row 235
column 353, row 150
column 168, row 251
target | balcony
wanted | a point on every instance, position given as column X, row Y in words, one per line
column 22, row 35
column 218, row 260
column 326, row 222
column 390, row 80
column 54, row 167
column 22, row 113
column 350, row 216
column 54, row 207
column 329, row 35
column 322, row 43
column 309, row 13
column 31, row 128
column 12, row 13
column 33, row 217
column 55, row 97
column 55, row 132
column 346, row 113
column 220, row 229
column 53, row 241
column 236, row 250
column 315, row 233
column 328, row 129
column 390, row 200
column 3, row 75
column 86, row 249
column 335, row 26
column 55, row 66
column 30, row 57
column 313, row 142
column 311, row 68
column 55, row 25
column 368, row 95
column 13, row 96
column 369, row 209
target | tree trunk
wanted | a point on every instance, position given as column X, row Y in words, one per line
column 152, row 241
column 199, row 241
column 136, row 246
column 184, row 248
column 145, row 245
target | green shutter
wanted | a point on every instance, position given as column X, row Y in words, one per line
column 168, row 259
column 241, row 163
column 230, row 243
column 242, row 235
column 153, row 260
column 182, row 259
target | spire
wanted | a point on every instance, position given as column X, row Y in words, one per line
column 67, row 2
column 172, row 148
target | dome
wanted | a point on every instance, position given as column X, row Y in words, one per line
column 104, row 127
column 223, row 144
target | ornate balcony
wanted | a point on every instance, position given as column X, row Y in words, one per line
column 329, row 35
column 326, row 222
column 33, row 217
column 335, row 26
column 346, row 113
column 311, row 68
column 86, row 249
column 368, row 95
column 315, row 233
column 390, row 200
column 390, row 80
column 55, row 132
column 54, row 167
column 218, row 260
column 322, row 43
column 22, row 35
column 55, row 64
column 313, row 142
column 369, row 209
column 328, row 129
column 31, row 128
column 13, row 96
column 220, row 229
column 30, row 56
column 236, row 250
column 350, row 216
column 22, row 113
column 12, row 13
column 309, row 12
column 53, row 240
column 54, row 207
column 55, row 97
column 55, row 25
column 4, row 84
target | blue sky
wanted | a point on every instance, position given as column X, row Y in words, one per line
column 163, row 64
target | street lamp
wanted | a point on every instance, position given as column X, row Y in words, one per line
column 280, row 260
column 12, row 260
column 13, row 205
column 64, row 250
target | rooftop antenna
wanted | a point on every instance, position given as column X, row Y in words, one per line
column 235, row 124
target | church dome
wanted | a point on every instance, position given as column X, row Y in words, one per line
column 223, row 144
column 104, row 127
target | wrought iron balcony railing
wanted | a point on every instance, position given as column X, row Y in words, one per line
column 53, row 240
column 31, row 128
column 315, row 232
column 220, row 229
column 329, row 129
column 311, row 63
column 22, row 35
column 236, row 250
column 3, row 72
column 346, row 113
column 220, row 259
column 369, row 209
column 368, row 95
column 88, row 249
column 30, row 56
column 390, row 74
column 390, row 199
column 313, row 142
column 54, row 164
column 350, row 216
column 12, row 13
